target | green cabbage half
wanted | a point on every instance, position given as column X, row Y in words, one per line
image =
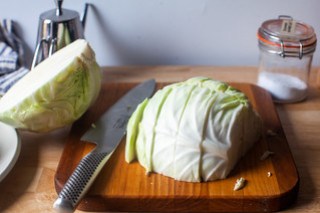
column 56, row 92
column 192, row 131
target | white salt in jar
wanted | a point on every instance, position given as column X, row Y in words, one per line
column 286, row 50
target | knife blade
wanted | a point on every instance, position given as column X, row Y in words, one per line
column 107, row 133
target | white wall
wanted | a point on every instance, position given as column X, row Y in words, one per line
column 152, row 32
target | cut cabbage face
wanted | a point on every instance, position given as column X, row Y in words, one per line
column 193, row 131
column 56, row 92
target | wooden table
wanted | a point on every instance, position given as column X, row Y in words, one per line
column 29, row 187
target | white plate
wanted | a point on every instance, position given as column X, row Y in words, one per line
column 9, row 149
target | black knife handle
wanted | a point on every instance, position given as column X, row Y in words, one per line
column 80, row 181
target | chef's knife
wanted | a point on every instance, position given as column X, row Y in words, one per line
column 107, row 133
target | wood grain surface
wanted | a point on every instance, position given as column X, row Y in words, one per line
column 126, row 187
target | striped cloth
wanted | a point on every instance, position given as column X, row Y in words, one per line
column 11, row 56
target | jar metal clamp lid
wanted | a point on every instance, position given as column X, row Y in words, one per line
column 287, row 37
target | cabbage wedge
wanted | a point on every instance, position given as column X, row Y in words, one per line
column 193, row 131
column 56, row 92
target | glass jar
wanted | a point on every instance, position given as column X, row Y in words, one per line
column 286, row 51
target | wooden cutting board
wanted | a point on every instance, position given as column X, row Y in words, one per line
column 126, row 187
